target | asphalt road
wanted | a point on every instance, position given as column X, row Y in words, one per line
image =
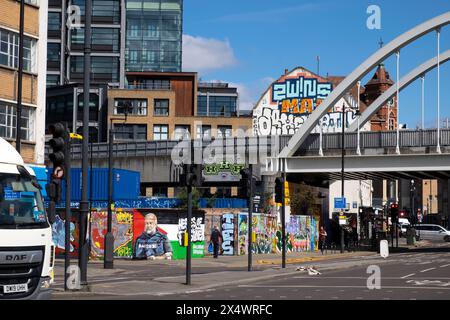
column 419, row 275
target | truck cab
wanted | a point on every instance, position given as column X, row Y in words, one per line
column 26, row 247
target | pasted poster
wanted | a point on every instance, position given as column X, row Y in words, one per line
column 59, row 236
column 161, row 236
column 228, row 234
column 122, row 230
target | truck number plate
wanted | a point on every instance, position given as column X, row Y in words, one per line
column 15, row 288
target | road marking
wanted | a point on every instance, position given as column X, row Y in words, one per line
column 409, row 275
column 427, row 270
column 352, row 287
column 445, row 265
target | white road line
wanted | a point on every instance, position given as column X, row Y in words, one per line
column 427, row 270
column 445, row 265
column 409, row 275
column 352, row 287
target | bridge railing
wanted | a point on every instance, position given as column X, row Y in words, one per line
column 380, row 139
column 272, row 145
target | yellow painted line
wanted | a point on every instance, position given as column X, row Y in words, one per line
column 300, row 260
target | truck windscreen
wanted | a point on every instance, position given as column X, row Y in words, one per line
column 21, row 204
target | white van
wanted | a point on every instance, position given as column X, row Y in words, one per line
column 26, row 249
column 432, row 232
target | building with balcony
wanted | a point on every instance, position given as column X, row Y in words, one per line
column 33, row 81
column 168, row 106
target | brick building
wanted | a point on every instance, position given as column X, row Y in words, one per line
column 33, row 83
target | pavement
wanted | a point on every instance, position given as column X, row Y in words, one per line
column 137, row 278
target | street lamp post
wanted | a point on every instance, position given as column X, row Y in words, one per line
column 342, row 172
column 108, row 262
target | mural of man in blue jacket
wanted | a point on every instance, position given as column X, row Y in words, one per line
column 152, row 243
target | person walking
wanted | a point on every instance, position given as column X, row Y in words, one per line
column 322, row 239
column 216, row 239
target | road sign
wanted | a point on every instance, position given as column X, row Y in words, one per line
column 58, row 172
column 340, row 203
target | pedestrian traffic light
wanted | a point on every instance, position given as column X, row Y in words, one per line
column 192, row 175
column 57, row 143
column 279, row 190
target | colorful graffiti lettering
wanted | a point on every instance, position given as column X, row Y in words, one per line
column 300, row 88
column 214, row 169
column 264, row 229
column 301, row 234
column 122, row 231
column 228, row 234
column 274, row 122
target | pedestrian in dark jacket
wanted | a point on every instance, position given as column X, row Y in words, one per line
column 216, row 239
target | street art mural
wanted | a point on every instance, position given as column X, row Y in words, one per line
column 301, row 234
column 122, row 230
column 228, row 234
column 162, row 240
column 289, row 101
column 59, row 236
column 264, row 233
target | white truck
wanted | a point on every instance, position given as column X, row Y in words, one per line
column 27, row 253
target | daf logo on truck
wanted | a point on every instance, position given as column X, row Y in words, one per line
column 16, row 257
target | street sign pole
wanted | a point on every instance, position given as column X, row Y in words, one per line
column 68, row 212
column 283, row 219
column 250, row 219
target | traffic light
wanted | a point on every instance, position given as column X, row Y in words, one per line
column 192, row 175
column 279, row 190
column 58, row 144
column 394, row 212
column 247, row 181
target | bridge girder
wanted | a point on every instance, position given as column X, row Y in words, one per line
column 379, row 56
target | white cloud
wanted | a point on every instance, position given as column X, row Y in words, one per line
column 202, row 54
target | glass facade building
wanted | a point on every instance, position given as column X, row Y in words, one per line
column 153, row 35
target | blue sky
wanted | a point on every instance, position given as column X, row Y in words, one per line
column 249, row 43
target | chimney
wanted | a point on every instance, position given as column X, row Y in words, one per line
column 286, row 71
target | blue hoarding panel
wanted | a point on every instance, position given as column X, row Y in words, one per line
column 126, row 184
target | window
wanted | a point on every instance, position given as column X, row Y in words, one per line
column 138, row 106
column 202, row 106
column 102, row 68
column 8, row 117
column 203, row 132
column 160, row 132
column 161, row 107
column 9, row 51
column 130, row 132
column 181, row 132
column 53, row 56
column 54, row 21
column 224, row 131
column 103, row 39
column 52, row 80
